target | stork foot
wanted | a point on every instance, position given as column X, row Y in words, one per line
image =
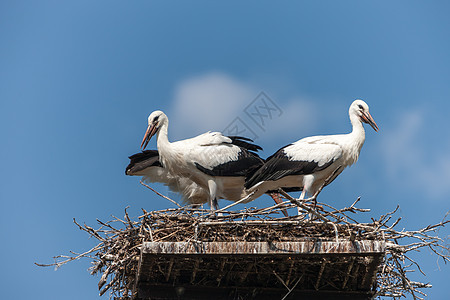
column 312, row 206
column 194, row 206
column 212, row 216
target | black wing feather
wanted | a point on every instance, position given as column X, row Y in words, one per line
column 243, row 142
column 246, row 164
column 142, row 160
column 278, row 166
column 287, row 190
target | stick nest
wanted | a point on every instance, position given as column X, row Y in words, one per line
column 116, row 255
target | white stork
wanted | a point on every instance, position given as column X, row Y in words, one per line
column 306, row 164
column 147, row 165
column 215, row 162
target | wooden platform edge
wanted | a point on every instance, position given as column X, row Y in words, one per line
column 362, row 247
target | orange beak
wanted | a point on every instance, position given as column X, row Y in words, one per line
column 151, row 130
column 367, row 118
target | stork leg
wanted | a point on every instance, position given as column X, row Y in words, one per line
column 302, row 197
column 214, row 204
column 313, row 206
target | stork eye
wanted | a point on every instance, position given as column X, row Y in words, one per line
column 155, row 119
column 360, row 107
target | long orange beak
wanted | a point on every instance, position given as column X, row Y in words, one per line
column 151, row 130
column 367, row 118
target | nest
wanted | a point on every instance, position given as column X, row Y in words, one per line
column 117, row 254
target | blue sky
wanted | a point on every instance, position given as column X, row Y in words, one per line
column 79, row 78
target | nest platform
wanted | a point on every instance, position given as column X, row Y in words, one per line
column 259, row 270
column 256, row 253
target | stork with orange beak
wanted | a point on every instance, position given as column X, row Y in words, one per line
column 307, row 164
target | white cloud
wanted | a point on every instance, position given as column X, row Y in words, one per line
column 213, row 100
column 209, row 102
column 411, row 162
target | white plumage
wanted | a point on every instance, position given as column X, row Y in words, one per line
column 147, row 165
column 307, row 163
column 215, row 163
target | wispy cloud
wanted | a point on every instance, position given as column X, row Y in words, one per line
column 214, row 100
column 413, row 163
column 208, row 102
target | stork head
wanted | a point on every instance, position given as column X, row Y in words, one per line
column 360, row 109
column 155, row 120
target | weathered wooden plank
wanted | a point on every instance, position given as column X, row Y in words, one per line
column 248, row 248
column 250, row 266
column 169, row 269
column 347, row 275
column 194, row 271
column 322, row 268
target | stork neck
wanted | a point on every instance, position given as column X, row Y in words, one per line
column 358, row 135
column 162, row 138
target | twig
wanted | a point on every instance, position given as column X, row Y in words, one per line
column 235, row 203
column 159, row 194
